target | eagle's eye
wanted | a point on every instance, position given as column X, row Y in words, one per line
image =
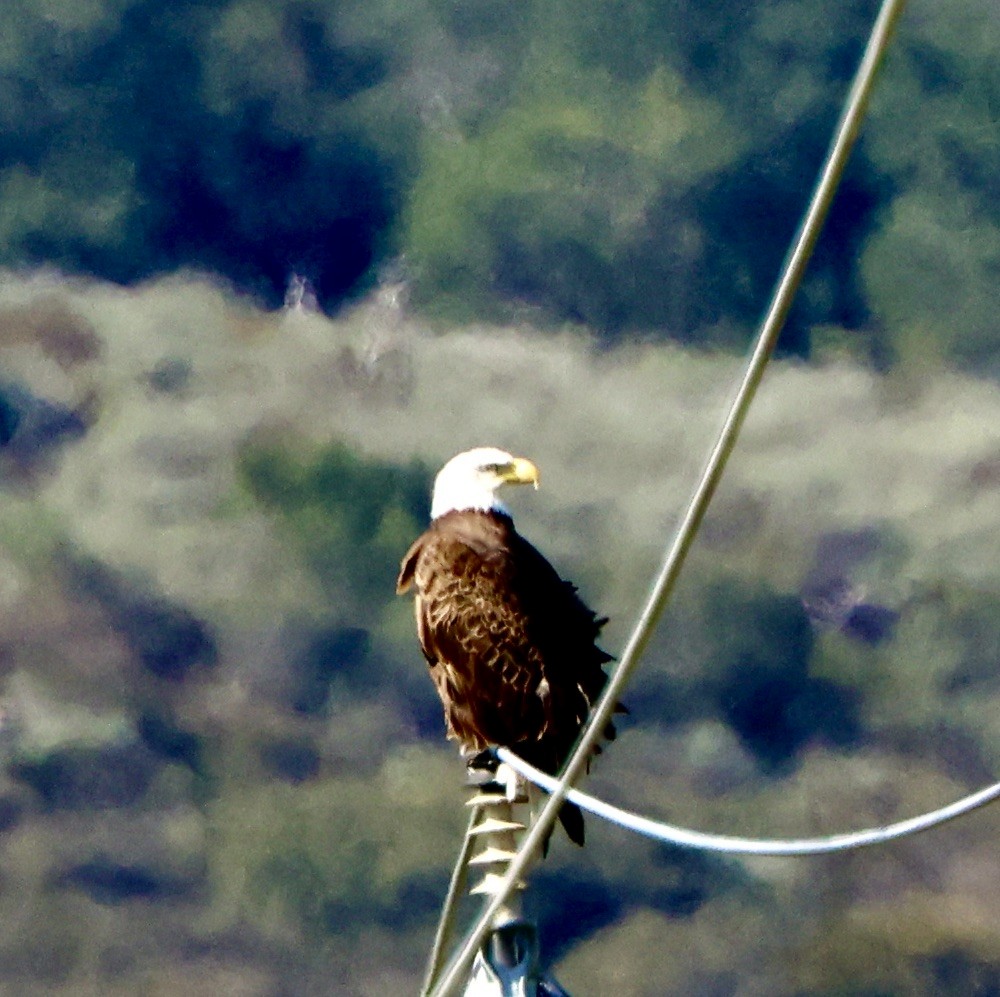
column 493, row 468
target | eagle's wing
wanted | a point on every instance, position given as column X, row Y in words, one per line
column 565, row 632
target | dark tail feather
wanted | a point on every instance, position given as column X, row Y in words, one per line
column 572, row 821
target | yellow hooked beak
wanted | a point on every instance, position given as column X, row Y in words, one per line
column 520, row 471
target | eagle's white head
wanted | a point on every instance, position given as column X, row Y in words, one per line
column 471, row 479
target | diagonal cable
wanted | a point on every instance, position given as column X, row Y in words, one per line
column 456, row 887
column 833, row 167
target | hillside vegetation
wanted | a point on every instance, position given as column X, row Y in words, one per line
column 638, row 167
column 225, row 764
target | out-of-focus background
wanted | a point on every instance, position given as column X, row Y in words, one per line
column 266, row 265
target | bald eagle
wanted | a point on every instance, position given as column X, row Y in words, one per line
column 511, row 647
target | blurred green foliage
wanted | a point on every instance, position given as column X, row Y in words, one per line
column 633, row 166
column 351, row 517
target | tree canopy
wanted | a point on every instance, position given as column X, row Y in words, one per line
column 636, row 167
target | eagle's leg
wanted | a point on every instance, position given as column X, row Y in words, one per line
column 507, row 963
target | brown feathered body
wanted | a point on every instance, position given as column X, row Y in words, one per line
column 511, row 646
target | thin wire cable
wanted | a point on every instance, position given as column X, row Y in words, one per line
column 732, row 845
column 833, row 168
column 456, row 887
